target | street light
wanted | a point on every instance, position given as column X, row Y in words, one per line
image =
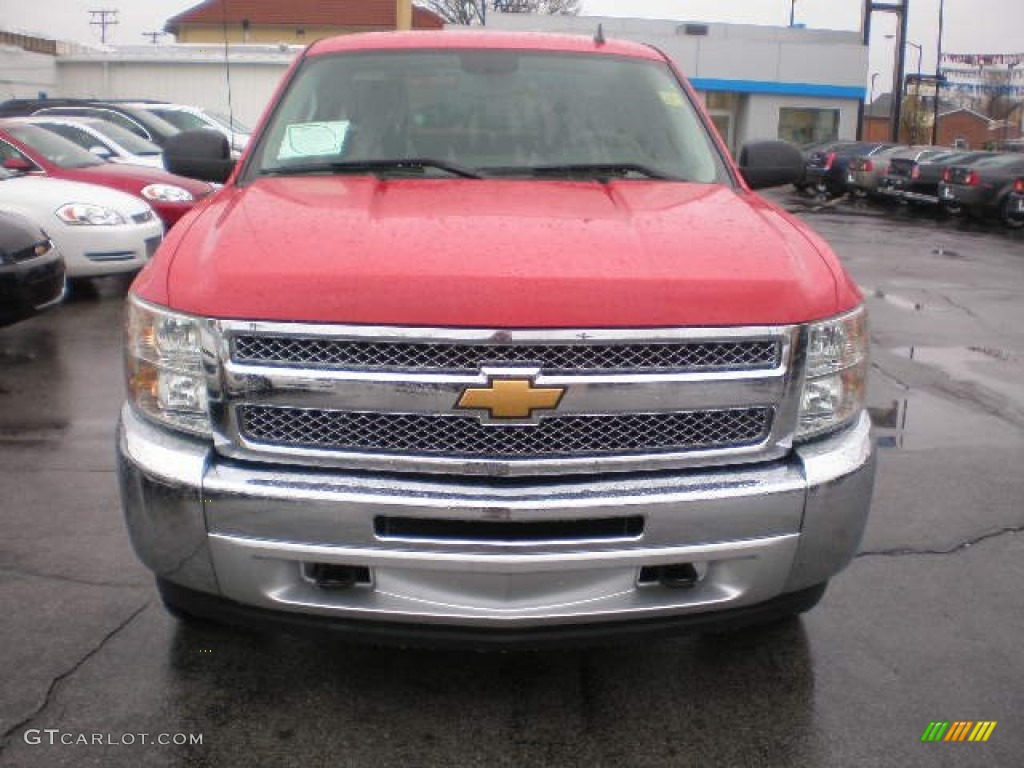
column 917, row 90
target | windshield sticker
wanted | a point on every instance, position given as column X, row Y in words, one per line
column 311, row 139
column 671, row 98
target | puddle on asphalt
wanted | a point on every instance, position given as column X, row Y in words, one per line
column 998, row 370
column 919, row 420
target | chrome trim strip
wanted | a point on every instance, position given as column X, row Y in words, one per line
column 536, row 562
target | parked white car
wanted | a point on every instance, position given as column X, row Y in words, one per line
column 103, row 138
column 99, row 230
column 187, row 118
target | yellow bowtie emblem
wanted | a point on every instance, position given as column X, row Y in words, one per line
column 511, row 398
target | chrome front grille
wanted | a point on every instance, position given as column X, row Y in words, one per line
column 466, row 436
column 383, row 398
column 348, row 354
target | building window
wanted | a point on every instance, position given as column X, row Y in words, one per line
column 808, row 126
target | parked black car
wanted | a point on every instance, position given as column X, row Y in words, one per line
column 917, row 181
column 31, row 269
column 141, row 122
column 983, row 188
column 826, row 170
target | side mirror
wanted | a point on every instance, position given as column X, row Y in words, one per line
column 101, row 152
column 199, row 154
column 19, row 164
column 770, row 164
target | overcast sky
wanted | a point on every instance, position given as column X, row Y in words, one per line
column 972, row 26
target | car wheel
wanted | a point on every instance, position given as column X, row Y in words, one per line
column 176, row 609
column 1013, row 222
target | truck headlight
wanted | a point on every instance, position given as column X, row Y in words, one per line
column 164, row 367
column 835, row 382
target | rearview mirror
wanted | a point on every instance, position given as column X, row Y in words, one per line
column 199, row 154
column 770, row 164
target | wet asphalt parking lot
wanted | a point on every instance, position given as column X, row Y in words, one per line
column 927, row 624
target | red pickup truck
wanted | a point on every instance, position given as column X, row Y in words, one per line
column 486, row 340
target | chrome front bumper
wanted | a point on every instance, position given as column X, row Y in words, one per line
column 248, row 533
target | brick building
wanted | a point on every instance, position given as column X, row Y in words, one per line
column 297, row 22
column 958, row 126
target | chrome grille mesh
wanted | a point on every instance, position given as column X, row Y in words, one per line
column 469, row 358
column 466, row 436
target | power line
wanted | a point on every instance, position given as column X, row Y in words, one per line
column 103, row 19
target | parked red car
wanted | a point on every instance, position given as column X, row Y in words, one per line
column 31, row 149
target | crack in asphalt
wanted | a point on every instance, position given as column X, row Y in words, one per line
column 5, row 737
column 68, row 579
column 985, row 400
column 956, row 548
column 955, row 304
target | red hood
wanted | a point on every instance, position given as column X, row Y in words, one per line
column 495, row 253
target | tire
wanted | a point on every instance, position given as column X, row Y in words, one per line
column 176, row 609
column 1010, row 221
column 805, row 599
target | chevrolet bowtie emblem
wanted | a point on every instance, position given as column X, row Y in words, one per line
column 511, row 398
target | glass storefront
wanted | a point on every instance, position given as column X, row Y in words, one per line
column 807, row 126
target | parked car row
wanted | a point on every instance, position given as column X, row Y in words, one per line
column 155, row 121
column 979, row 184
column 84, row 193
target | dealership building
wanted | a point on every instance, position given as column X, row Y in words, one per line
column 757, row 82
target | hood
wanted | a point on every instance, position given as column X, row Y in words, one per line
column 495, row 253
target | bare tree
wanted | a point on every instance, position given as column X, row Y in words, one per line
column 997, row 101
column 472, row 11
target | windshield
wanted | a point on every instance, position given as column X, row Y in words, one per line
column 180, row 119
column 491, row 112
column 231, row 123
column 54, row 148
column 129, row 141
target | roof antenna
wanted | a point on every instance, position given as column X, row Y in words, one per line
column 599, row 35
column 227, row 76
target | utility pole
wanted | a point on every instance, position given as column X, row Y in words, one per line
column 792, row 12
column 938, row 76
column 103, row 19
column 153, row 36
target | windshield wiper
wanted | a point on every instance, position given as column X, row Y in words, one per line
column 599, row 171
column 375, row 166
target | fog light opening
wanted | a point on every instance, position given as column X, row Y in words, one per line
column 673, row 575
column 336, row 577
